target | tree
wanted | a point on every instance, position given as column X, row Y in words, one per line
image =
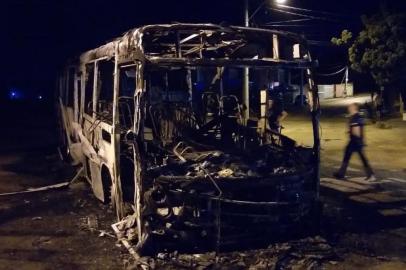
column 379, row 49
column 345, row 38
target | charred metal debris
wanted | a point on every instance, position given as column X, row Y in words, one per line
column 310, row 253
column 179, row 153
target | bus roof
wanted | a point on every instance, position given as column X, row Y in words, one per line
column 184, row 43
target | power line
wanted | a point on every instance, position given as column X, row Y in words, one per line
column 289, row 25
column 320, row 43
column 310, row 10
column 303, row 15
column 255, row 12
column 331, row 67
column 289, row 21
column 333, row 73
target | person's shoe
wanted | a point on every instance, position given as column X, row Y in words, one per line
column 371, row 178
column 339, row 176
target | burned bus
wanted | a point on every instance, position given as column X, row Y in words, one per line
column 170, row 125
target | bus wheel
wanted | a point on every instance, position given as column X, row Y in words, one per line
column 107, row 185
column 63, row 148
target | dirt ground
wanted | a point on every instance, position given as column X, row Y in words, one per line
column 363, row 224
column 49, row 230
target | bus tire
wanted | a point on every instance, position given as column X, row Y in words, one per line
column 107, row 184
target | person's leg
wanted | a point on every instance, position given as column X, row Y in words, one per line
column 368, row 170
column 347, row 156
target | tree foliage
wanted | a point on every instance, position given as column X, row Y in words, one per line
column 380, row 48
column 345, row 38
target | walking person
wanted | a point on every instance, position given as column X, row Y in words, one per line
column 355, row 144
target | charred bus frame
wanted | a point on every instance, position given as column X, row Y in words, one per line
column 166, row 162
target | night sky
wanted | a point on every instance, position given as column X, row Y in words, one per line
column 38, row 36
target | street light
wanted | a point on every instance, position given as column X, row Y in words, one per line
column 248, row 17
column 280, row 2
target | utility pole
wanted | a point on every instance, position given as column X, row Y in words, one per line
column 246, row 75
column 346, row 81
column 301, row 88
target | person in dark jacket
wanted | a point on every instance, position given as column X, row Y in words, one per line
column 355, row 144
